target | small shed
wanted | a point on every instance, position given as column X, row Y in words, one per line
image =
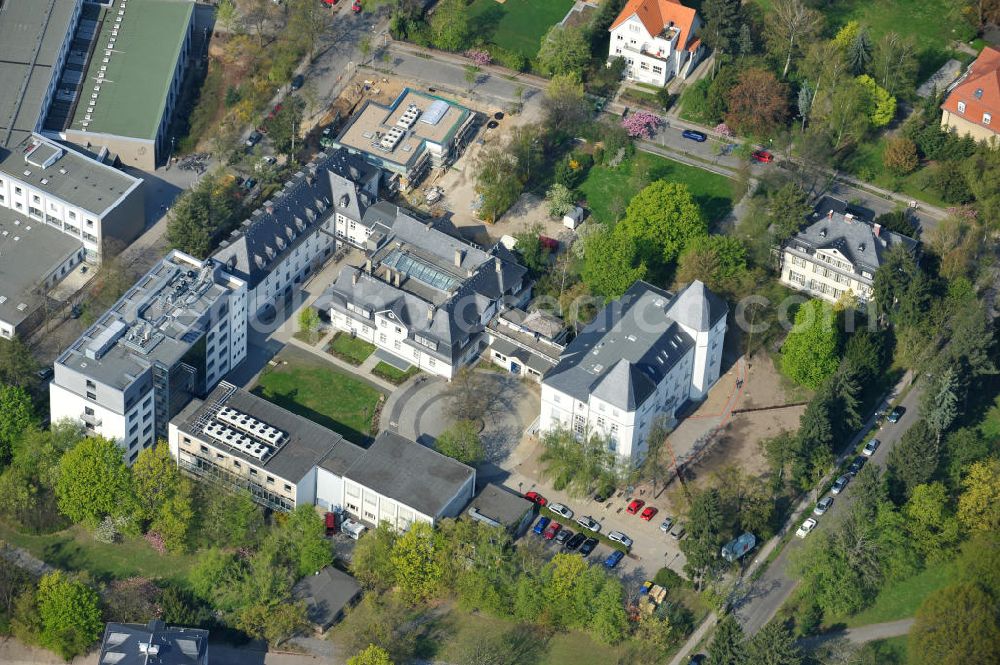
column 500, row 507
column 573, row 218
column 327, row 594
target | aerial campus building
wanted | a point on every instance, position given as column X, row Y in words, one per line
column 170, row 338
column 644, row 356
column 414, row 134
column 123, row 97
column 46, row 181
column 242, row 441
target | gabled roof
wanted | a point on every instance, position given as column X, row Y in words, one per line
column 979, row 89
column 624, row 353
column 657, row 15
column 338, row 182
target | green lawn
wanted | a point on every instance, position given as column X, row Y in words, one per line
column 866, row 163
column 901, row 600
column 322, row 394
column 518, row 25
column 75, row 549
column 891, row 651
column 925, row 20
column 350, row 349
column 393, row 374
column 607, row 188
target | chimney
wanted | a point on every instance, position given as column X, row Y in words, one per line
column 269, row 208
column 354, row 278
column 368, row 265
column 459, row 255
column 397, row 278
column 430, row 313
column 499, row 264
column 829, row 215
column 877, row 228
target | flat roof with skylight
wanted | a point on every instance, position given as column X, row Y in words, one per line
column 132, row 68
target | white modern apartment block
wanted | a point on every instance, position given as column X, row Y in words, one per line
column 644, row 356
column 423, row 295
column 80, row 195
column 658, row 40
column 170, row 338
column 284, row 241
column 838, row 253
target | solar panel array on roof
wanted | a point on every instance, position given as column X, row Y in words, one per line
column 435, row 112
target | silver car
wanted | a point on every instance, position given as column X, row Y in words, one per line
column 839, row 484
column 561, row 510
column 823, row 506
column 620, row 537
column 588, row 522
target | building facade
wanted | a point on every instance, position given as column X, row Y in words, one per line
column 972, row 104
column 658, row 39
column 423, row 295
column 643, row 357
column 287, row 239
column 169, row 339
column 526, row 343
column 836, row 256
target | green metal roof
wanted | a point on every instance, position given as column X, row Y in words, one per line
column 140, row 69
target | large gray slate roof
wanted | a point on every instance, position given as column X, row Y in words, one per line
column 175, row 645
column 410, row 473
column 834, row 226
column 624, row 353
column 328, row 185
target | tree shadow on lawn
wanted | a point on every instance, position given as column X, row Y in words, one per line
column 486, row 23
column 289, row 401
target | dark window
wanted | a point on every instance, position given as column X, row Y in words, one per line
column 91, row 395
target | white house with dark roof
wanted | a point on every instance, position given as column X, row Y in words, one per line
column 422, row 295
column 644, row 356
column 294, row 233
column 838, row 253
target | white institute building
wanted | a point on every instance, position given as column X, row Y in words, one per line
column 658, row 40
column 170, row 338
column 644, row 356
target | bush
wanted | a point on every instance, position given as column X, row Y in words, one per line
column 507, row 58
column 668, row 579
column 900, row 156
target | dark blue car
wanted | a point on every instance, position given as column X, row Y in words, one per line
column 613, row 559
column 541, row 524
column 700, row 137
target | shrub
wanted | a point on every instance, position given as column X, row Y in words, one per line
column 107, row 531
column 507, row 58
column 641, row 124
column 900, row 155
column 668, row 578
column 479, row 57
column 155, row 541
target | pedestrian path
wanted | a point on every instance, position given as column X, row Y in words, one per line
column 363, row 369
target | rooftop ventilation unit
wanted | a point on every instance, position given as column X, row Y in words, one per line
column 391, row 139
column 409, row 117
column 103, row 342
column 250, row 425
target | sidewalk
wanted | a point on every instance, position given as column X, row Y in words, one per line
column 363, row 370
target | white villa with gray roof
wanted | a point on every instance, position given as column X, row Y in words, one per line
column 838, row 253
column 644, row 356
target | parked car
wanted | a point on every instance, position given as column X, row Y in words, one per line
column 353, row 529
column 600, row 496
column 856, row 465
column 896, row 414
column 823, row 506
column 588, row 546
column 806, row 527
column 540, row 525
column 839, row 484
column 249, row 184
column 589, row 523
column 575, row 542
column 694, row 135
column 535, row 497
column 330, row 521
column 356, row 7
column 297, row 81
column 698, row 659
column 76, row 311
column 44, row 374
column 635, row 506
column 552, row 530
column 871, row 447
column 619, row 537
column 678, row 532
column 762, row 156
column 666, row 524
column 254, row 139
column 329, row 3
column 563, row 536
column 648, row 513
column 613, row 559
column 561, row 510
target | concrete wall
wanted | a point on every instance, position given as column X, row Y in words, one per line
column 139, row 153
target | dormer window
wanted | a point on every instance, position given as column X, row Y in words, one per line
column 961, row 107
column 986, row 118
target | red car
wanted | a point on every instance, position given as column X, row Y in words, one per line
column 551, row 532
column 535, row 497
column 635, row 506
column 356, row 7
column 329, row 3
column 762, row 156
column 648, row 513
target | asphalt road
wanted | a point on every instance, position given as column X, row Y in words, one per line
column 861, row 634
column 762, row 599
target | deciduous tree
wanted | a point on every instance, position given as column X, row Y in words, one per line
column 450, row 29
column 565, row 105
column 956, row 624
column 70, row 614
column 564, row 50
column 894, row 62
column 461, row 441
column 790, row 23
column 611, row 263
column 931, row 522
column 758, row 103
column 900, row 156
column 913, row 461
column 979, row 503
column 662, row 219
column 94, row 482
column 810, row 353
column 416, row 557
column 16, row 416
column 717, row 260
column 371, row 655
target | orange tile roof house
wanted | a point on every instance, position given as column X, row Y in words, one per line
column 973, row 102
column 658, row 40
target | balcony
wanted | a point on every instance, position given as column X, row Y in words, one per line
column 92, row 420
